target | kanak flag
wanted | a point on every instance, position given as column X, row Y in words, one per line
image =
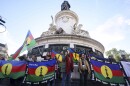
column 12, row 69
column 73, row 55
column 56, row 55
column 28, row 43
column 108, row 72
column 39, row 71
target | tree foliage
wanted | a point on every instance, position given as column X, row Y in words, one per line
column 117, row 54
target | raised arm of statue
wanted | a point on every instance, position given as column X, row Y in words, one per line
column 65, row 5
column 52, row 20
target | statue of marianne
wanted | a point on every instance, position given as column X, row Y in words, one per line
column 65, row 5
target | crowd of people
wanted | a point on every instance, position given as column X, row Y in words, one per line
column 63, row 69
column 67, row 67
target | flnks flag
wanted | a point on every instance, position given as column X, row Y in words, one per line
column 12, row 69
column 41, row 71
column 28, row 43
column 56, row 55
column 107, row 72
column 74, row 55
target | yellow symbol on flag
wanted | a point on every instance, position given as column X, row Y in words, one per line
column 59, row 57
column 6, row 68
column 106, row 72
column 28, row 41
column 41, row 71
column 76, row 56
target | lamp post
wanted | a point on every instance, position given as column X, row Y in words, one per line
column 2, row 26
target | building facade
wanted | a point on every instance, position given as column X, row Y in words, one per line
column 3, row 50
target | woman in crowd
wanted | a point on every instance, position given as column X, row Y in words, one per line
column 84, row 69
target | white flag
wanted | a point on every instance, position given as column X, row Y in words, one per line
column 126, row 66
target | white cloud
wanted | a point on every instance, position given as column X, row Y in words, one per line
column 112, row 31
column 128, row 21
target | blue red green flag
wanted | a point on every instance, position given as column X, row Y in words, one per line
column 74, row 55
column 12, row 69
column 40, row 71
column 28, row 43
column 53, row 54
column 16, row 53
column 56, row 55
column 107, row 72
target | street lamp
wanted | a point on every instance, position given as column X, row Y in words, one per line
column 2, row 26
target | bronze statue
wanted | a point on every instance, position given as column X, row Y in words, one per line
column 65, row 6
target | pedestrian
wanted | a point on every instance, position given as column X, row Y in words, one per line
column 69, row 68
column 111, row 59
column 48, row 57
column 63, row 69
column 84, row 70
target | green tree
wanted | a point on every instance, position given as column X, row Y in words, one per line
column 117, row 54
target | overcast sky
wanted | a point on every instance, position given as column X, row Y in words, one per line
column 107, row 21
